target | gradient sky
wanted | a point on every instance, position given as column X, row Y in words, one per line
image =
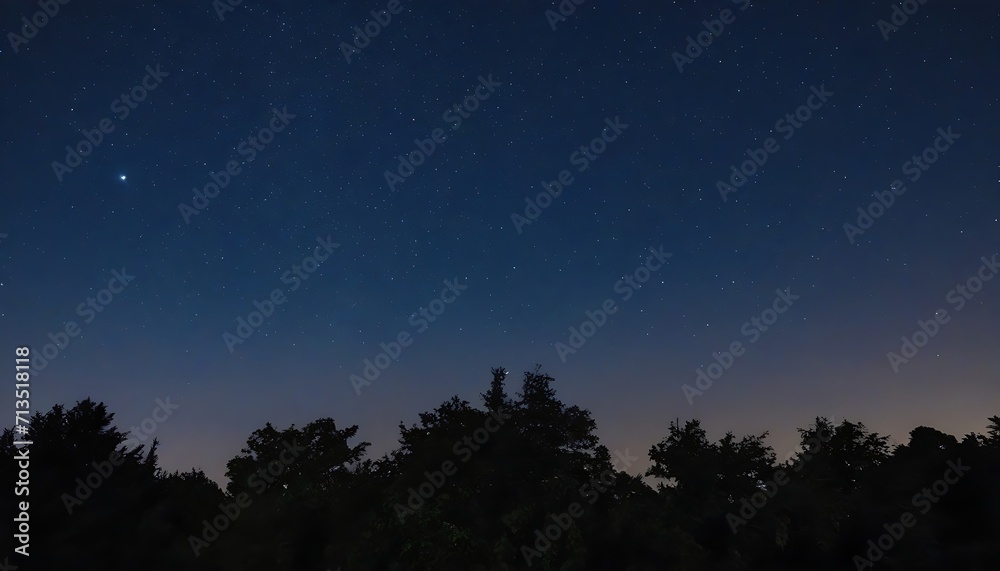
column 654, row 186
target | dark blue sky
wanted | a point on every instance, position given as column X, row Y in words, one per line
column 543, row 93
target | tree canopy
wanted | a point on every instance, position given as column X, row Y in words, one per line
column 514, row 483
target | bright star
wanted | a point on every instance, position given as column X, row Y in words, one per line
column 122, row 177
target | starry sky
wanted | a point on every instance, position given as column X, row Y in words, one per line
column 312, row 121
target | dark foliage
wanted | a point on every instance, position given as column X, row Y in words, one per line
column 478, row 488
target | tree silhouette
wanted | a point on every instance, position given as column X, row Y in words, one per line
column 518, row 483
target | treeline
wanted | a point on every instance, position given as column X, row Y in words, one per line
column 516, row 483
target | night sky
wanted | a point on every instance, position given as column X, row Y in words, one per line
column 491, row 106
